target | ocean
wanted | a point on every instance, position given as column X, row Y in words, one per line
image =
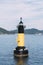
column 34, row 43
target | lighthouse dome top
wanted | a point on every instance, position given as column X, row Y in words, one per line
column 21, row 20
column 21, row 23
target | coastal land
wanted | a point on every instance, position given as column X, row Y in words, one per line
column 27, row 31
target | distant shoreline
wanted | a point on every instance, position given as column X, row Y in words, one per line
column 27, row 31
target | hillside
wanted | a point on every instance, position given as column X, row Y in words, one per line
column 3, row 31
column 27, row 31
column 33, row 31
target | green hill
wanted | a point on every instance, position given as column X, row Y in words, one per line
column 3, row 31
column 27, row 31
column 33, row 31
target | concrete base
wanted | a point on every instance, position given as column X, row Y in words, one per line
column 21, row 52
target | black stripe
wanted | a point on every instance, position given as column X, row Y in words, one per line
column 18, row 48
column 20, row 29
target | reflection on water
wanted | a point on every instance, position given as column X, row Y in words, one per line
column 21, row 61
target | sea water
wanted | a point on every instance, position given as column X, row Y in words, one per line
column 34, row 43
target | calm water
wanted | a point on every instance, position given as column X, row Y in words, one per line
column 34, row 43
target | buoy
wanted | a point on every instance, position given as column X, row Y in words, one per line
column 20, row 50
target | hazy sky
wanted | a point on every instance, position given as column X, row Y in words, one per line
column 30, row 10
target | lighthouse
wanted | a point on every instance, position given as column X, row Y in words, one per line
column 20, row 50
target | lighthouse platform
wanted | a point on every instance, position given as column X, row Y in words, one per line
column 21, row 52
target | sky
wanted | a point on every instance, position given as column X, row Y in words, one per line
column 31, row 12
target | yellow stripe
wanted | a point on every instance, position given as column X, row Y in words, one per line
column 20, row 39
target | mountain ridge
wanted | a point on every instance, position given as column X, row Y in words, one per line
column 27, row 31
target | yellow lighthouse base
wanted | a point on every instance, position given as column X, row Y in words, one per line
column 21, row 52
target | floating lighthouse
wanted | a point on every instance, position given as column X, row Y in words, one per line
column 20, row 50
